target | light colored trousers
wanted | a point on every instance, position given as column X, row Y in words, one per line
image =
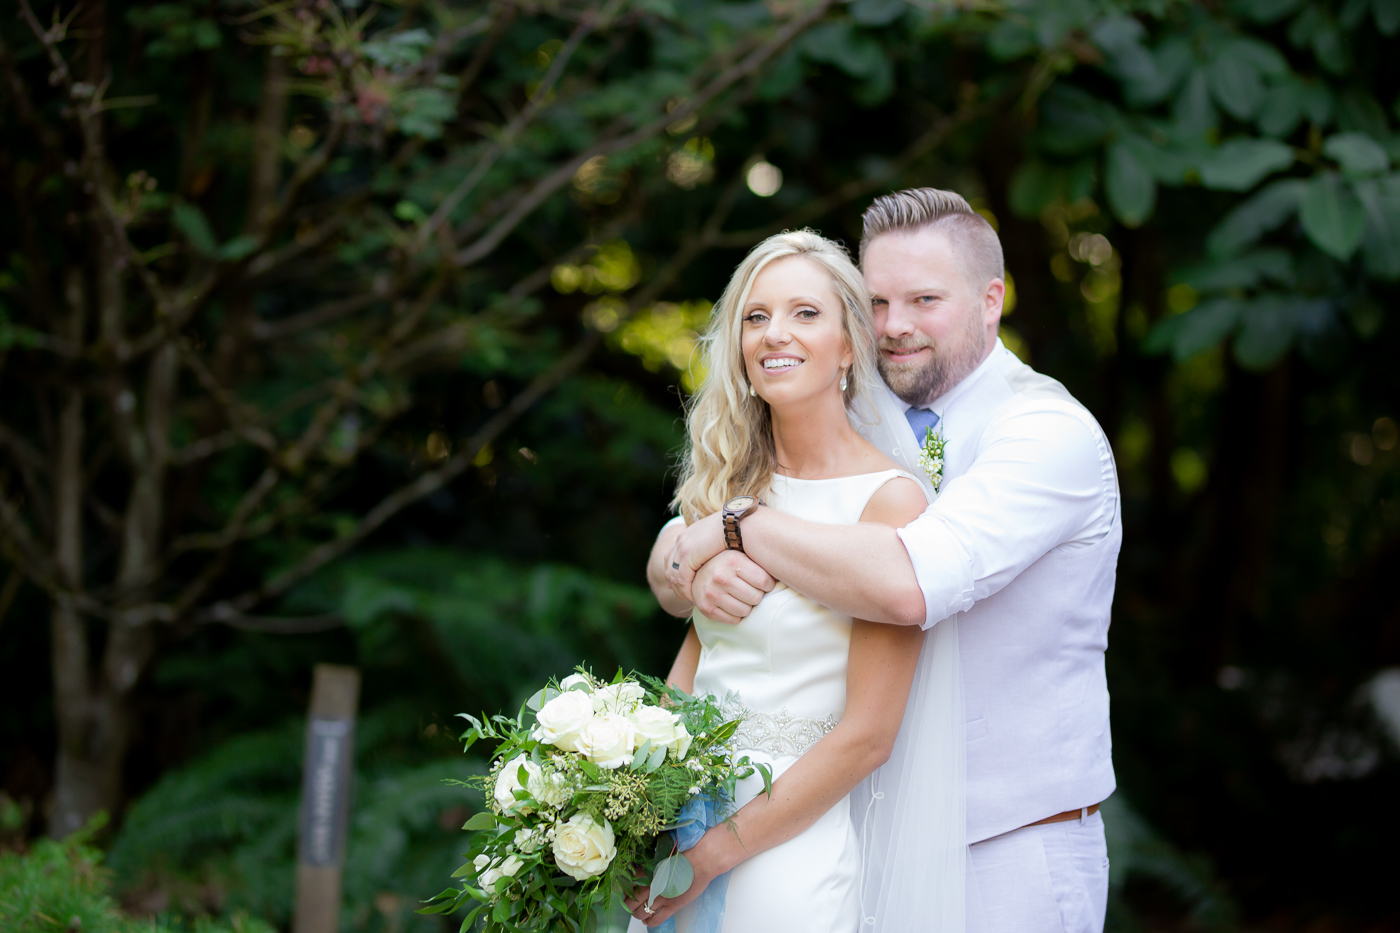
column 1039, row 879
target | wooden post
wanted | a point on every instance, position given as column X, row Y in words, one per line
column 325, row 797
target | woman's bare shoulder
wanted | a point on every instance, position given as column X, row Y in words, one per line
column 896, row 503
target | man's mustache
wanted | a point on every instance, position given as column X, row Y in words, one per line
column 904, row 343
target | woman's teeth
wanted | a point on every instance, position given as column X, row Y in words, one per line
column 785, row 363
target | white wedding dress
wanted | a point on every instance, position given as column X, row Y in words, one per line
column 785, row 667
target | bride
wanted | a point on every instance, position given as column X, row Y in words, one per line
column 791, row 372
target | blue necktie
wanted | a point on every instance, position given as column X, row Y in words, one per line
column 921, row 419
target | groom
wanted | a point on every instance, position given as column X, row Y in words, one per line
column 1021, row 545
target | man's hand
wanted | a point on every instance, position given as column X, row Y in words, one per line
column 728, row 587
column 693, row 549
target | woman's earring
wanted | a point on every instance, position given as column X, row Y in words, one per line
column 753, row 393
column 843, row 379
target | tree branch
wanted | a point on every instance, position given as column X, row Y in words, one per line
column 561, row 176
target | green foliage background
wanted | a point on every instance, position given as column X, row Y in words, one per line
column 1201, row 217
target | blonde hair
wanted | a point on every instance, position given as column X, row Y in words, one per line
column 947, row 211
column 730, row 448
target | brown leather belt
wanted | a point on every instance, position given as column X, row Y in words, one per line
column 1067, row 816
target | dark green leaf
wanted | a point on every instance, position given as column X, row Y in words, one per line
column 1282, row 110
column 1387, row 14
column 1380, row 245
column 1256, row 216
column 877, row 12
column 237, row 248
column 1270, row 324
column 1330, row 47
column 1197, row 330
column 1072, row 121
column 1236, row 85
column 1357, row 153
column 1033, row 188
column 191, row 222
column 1245, row 271
column 1332, row 215
column 1267, row 11
column 1193, row 110
column 1240, row 164
column 1171, row 62
column 479, row 821
column 1130, row 188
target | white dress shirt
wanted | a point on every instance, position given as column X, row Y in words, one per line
column 1021, row 545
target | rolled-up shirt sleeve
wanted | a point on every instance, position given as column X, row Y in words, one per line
column 1042, row 478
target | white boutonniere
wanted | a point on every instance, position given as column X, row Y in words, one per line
column 931, row 457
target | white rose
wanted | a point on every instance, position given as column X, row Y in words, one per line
column 656, row 724
column 583, row 847
column 619, row 698
column 575, row 680
column 508, row 781
column 607, row 741
column 681, row 745
column 562, row 718
column 488, row 873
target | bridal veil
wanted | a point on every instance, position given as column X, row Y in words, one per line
column 911, row 813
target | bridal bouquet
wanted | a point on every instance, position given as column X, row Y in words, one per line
column 583, row 788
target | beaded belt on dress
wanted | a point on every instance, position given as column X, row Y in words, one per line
column 778, row 733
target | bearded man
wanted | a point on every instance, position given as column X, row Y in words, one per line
column 1019, row 549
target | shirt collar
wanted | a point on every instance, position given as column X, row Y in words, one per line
column 939, row 405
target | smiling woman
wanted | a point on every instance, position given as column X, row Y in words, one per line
column 794, row 344
column 789, row 285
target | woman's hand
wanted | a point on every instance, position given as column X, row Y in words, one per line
column 706, row 859
column 694, row 547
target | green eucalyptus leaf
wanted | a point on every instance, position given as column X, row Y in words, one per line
column 640, row 758
column 1240, row 164
column 1256, row 216
column 672, row 878
column 1130, row 188
column 657, row 758
column 540, row 697
column 1332, row 215
column 1357, row 153
column 479, row 821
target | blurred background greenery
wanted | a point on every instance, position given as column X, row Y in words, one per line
column 354, row 332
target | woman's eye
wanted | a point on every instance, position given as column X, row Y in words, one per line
column 807, row 313
column 755, row 317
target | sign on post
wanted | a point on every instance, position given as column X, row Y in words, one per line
column 325, row 796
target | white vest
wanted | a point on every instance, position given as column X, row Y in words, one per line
column 1033, row 624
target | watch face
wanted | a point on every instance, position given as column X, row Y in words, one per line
column 739, row 503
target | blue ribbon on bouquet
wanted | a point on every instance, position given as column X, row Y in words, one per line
column 703, row 813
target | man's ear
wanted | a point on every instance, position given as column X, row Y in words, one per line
column 993, row 299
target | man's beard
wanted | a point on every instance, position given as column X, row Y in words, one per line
column 920, row 383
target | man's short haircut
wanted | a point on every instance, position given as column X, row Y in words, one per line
column 915, row 209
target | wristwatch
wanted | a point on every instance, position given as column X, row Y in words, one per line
column 735, row 509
